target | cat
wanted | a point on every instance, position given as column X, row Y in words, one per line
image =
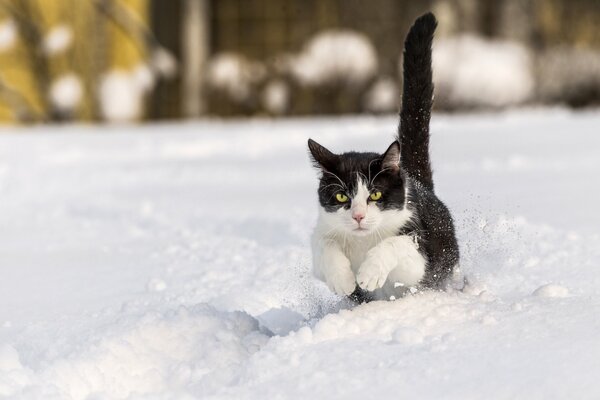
column 381, row 229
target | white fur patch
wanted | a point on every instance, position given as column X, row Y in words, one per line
column 333, row 267
column 376, row 250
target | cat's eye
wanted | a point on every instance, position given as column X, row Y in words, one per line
column 341, row 197
column 375, row 196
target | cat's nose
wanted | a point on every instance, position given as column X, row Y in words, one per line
column 358, row 217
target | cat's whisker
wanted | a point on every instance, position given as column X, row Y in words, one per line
column 337, row 177
column 369, row 167
column 377, row 174
column 331, row 184
column 331, row 230
column 359, row 174
column 379, row 234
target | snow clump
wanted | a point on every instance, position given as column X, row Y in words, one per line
column 121, row 96
column 234, row 75
column 8, row 34
column 551, row 290
column 470, row 71
column 66, row 92
column 335, row 56
column 58, row 39
column 382, row 97
column 276, row 97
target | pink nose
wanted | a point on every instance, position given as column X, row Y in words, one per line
column 358, row 217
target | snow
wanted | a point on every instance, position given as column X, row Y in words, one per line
column 121, row 95
column 276, row 97
column 551, row 290
column 58, row 39
column 335, row 56
column 66, row 92
column 383, row 96
column 172, row 261
column 144, row 77
column 470, row 71
column 234, row 75
column 8, row 34
column 164, row 63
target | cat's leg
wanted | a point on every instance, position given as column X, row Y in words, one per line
column 333, row 267
column 396, row 257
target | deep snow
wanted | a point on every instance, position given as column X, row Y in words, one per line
column 172, row 261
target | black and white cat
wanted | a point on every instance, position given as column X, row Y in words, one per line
column 381, row 229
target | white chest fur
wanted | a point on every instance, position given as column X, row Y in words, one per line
column 355, row 247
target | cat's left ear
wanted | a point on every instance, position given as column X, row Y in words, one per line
column 391, row 158
column 322, row 157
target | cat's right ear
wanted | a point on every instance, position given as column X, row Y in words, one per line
column 321, row 157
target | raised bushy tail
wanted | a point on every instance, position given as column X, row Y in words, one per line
column 417, row 99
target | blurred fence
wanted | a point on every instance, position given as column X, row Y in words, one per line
column 128, row 60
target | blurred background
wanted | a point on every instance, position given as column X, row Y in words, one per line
column 137, row 60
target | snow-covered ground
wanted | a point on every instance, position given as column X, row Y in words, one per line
column 172, row 262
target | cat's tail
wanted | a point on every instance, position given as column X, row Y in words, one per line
column 417, row 100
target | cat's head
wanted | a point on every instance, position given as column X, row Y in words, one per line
column 361, row 193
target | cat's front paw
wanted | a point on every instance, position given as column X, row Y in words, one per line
column 371, row 274
column 342, row 281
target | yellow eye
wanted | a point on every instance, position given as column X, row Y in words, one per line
column 341, row 197
column 375, row 196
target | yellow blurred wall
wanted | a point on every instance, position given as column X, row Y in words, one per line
column 99, row 44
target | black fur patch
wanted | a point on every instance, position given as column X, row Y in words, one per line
column 342, row 172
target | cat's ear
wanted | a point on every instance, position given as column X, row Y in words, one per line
column 321, row 157
column 391, row 158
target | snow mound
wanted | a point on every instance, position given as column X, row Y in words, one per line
column 335, row 56
column 146, row 255
column 551, row 290
column 470, row 71
column 196, row 348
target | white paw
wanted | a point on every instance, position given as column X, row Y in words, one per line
column 410, row 270
column 371, row 274
column 342, row 281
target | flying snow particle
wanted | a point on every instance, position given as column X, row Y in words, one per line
column 8, row 34
column 407, row 336
column 156, row 285
column 66, row 92
column 58, row 39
